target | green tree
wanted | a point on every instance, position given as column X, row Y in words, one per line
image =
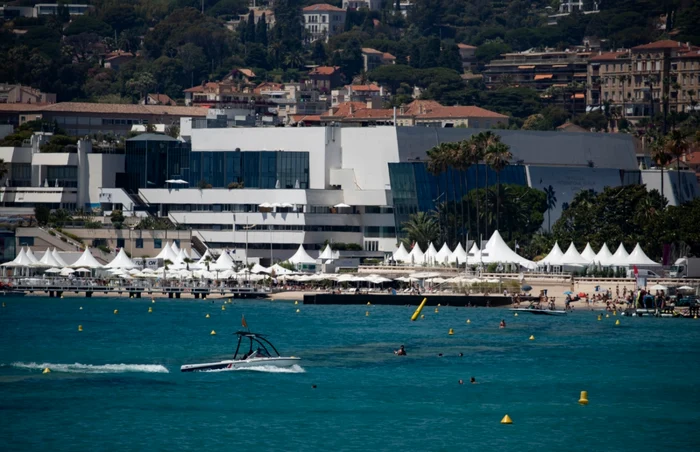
column 421, row 228
column 117, row 218
column 450, row 57
column 661, row 157
column 250, row 28
column 141, row 84
column 193, row 60
column 482, row 142
column 677, row 145
column 551, row 204
column 318, row 52
column 88, row 24
column 41, row 214
column 261, row 31
column 60, row 217
column 352, row 62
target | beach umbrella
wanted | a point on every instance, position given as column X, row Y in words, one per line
column 685, row 288
column 67, row 271
column 581, row 294
column 82, row 270
column 568, row 292
column 53, row 270
column 526, row 288
column 658, row 287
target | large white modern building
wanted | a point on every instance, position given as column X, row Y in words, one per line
column 267, row 190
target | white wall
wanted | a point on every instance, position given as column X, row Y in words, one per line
column 367, row 150
column 102, row 172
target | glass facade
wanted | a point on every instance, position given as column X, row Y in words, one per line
column 8, row 250
column 66, row 176
column 414, row 189
column 151, row 161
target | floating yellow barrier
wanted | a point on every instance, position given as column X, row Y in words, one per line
column 116, row 311
column 451, row 332
column 213, row 333
column 80, row 327
column 506, row 420
column 46, row 371
column 206, row 316
column 532, row 338
column 584, row 398
column 420, row 308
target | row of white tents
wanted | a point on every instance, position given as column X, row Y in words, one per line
column 495, row 250
column 603, row 258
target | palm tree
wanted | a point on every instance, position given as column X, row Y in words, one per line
column 481, row 142
column 3, row 169
column 498, row 156
column 693, row 103
column 677, row 145
column 551, row 204
column 624, row 79
column 662, row 158
column 440, row 159
column 421, row 228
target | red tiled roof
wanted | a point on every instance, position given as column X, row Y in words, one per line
column 247, row 72
column 343, row 109
column 324, row 70
column 202, row 88
column 325, row 7
column 692, row 158
column 388, row 56
column 268, row 85
column 21, row 108
column 462, row 112
column 371, row 87
column 607, row 56
column 690, row 54
column 114, row 55
column 421, row 109
column 664, row 44
column 371, row 50
column 465, row 46
column 127, row 109
column 163, row 99
column 306, row 118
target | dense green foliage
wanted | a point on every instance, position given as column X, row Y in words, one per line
column 179, row 46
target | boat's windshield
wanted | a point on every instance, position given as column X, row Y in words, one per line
column 253, row 345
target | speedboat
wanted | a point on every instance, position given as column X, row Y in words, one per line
column 536, row 311
column 260, row 352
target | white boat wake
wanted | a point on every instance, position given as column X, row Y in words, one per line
column 94, row 369
column 295, row 369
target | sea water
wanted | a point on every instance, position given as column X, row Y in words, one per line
column 117, row 385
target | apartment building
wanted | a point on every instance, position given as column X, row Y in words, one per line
column 372, row 5
column 18, row 94
column 372, row 58
column 636, row 81
column 559, row 76
column 322, row 21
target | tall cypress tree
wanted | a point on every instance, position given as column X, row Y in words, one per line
column 261, row 31
column 250, row 28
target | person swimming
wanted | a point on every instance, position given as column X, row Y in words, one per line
column 472, row 380
column 400, row 352
column 503, row 324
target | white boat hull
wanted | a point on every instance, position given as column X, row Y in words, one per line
column 242, row 364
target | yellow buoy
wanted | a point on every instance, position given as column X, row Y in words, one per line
column 153, row 300
column 469, row 321
column 532, row 337
column 131, row 295
column 81, row 308
column 695, row 317
column 617, row 322
column 600, row 317
column 46, row 371
column 61, row 296
column 213, row 333
column 516, row 314
column 366, row 313
column 296, row 302
column 80, row 327
column 368, row 303
column 420, row 308
column 614, row 312
column 229, row 301
column 439, row 305
column 436, row 310
column 3, row 304
column 206, row 316
column 451, row 332
column 607, row 316
column 506, row 420
column 150, row 309
column 223, row 308
column 422, row 316
column 116, row 311
column 584, row 398
column 298, row 311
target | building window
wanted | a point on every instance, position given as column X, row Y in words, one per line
column 371, row 245
column 120, row 243
column 26, row 241
column 139, row 243
column 157, row 243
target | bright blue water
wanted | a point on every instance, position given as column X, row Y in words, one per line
column 640, row 377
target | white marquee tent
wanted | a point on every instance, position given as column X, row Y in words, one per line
column 554, row 256
column 167, row 253
column 58, row 258
column 604, row 256
column 619, row 259
column 401, row 255
column 121, row 261
column 31, row 256
column 416, row 256
column 459, row 255
column 496, row 250
column 47, row 260
column 442, row 255
column 20, row 261
column 474, row 255
column 430, row 254
column 639, row 258
column 572, row 257
column 86, row 260
column 588, row 253
column 301, row 257
column 224, row 262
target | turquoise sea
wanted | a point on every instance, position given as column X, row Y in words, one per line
column 117, row 386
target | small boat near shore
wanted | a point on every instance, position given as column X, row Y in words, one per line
column 537, row 311
column 260, row 352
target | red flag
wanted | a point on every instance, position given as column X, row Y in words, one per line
column 243, row 322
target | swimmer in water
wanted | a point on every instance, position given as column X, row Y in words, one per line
column 472, row 380
column 503, row 324
column 461, row 382
column 400, row 352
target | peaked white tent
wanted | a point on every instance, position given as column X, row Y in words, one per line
column 224, row 262
column 496, row 250
column 401, row 255
column 31, row 256
column 279, row 270
column 175, row 248
column 639, row 258
column 572, row 257
column 47, row 260
column 86, row 260
column 474, row 255
column 620, row 257
column 301, row 257
column 328, row 253
column 203, row 259
column 58, row 258
column 257, row 268
column 20, row 261
column 458, row 255
column 430, row 254
column 588, row 253
column 442, row 255
column 416, row 256
column 121, row 261
column 604, row 256
column 554, row 256
column 167, row 253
